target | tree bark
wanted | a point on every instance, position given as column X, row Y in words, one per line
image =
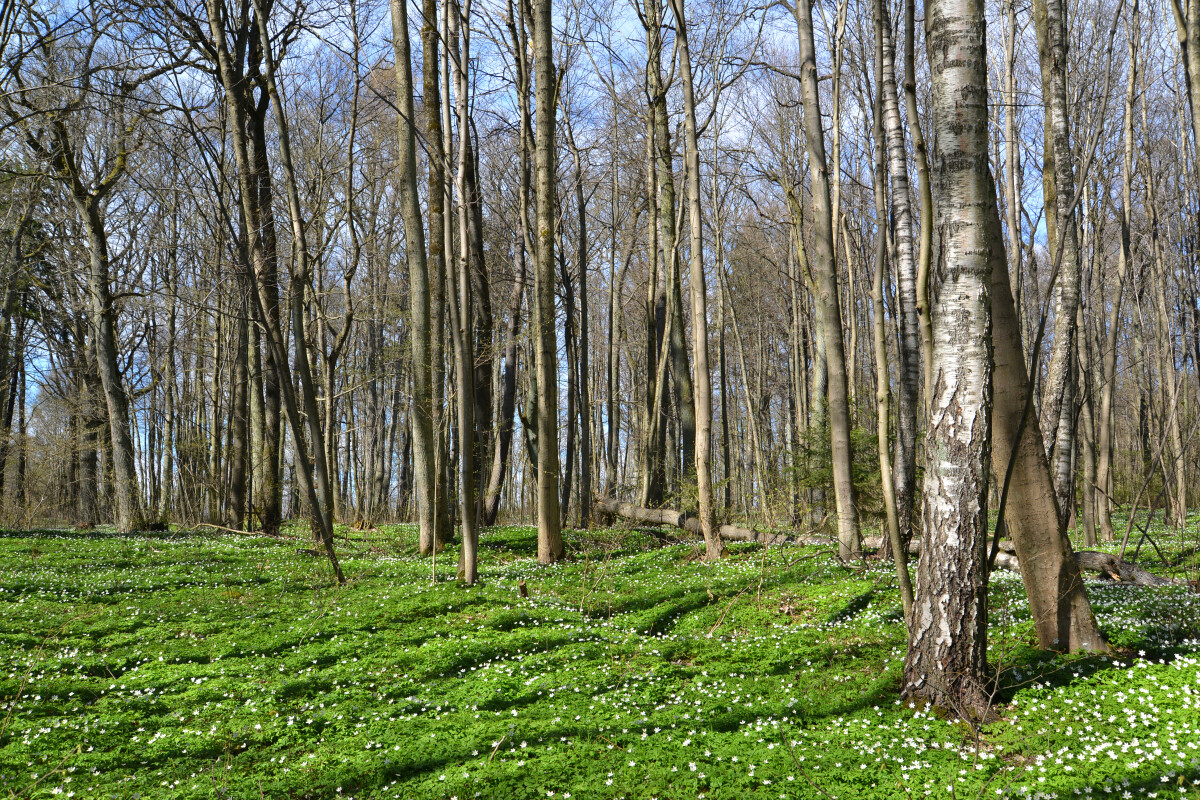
column 1058, row 403
column 550, row 545
column 702, row 383
column 898, row 543
column 826, row 279
column 418, row 278
column 1058, row 602
column 908, row 348
column 947, row 653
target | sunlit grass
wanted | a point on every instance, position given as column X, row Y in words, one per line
column 194, row 665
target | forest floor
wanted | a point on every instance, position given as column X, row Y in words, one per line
column 194, row 664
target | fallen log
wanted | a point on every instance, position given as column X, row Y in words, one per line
column 1107, row 564
column 1115, row 569
column 678, row 519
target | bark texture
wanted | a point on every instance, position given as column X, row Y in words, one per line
column 827, row 290
column 550, row 545
column 947, row 650
column 418, row 284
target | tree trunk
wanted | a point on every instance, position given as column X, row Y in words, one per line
column 267, row 315
column 947, row 652
column 1061, row 612
column 908, row 347
column 315, row 485
column 925, row 193
column 129, row 513
column 1108, row 357
column 1058, row 403
column 508, row 397
column 550, row 545
column 461, row 311
column 702, row 383
column 898, row 544
column 582, row 382
column 418, row 278
column 826, row 278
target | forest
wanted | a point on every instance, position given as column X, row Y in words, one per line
column 542, row 394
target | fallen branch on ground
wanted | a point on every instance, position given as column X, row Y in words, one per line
column 1107, row 564
column 677, row 519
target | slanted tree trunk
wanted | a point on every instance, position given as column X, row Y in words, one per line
column 314, row 482
column 947, row 647
column 827, row 295
column 1061, row 612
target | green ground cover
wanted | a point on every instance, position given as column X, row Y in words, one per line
column 198, row 665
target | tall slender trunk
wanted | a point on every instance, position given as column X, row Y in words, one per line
column 438, row 266
column 1108, row 356
column 583, row 382
column 909, row 340
column 129, row 512
column 925, row 192
column 702, row 381
column 418, row 281
column 849, row 541
column 239, row 429
column 461, row 311
column 1058, row 402
column 1087, row 430
column 550, row 545
column 572, row 353
column 1012, row 158
column 508, row 396
column 885, row 107
column 612, row 362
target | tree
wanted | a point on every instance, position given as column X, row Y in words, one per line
column 418, row 284
column 947, row 653
column 702, row 383
column 550, row 546
column 79, row 101
column 828, row 296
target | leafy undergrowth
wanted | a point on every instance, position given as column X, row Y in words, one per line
column 197, row 665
